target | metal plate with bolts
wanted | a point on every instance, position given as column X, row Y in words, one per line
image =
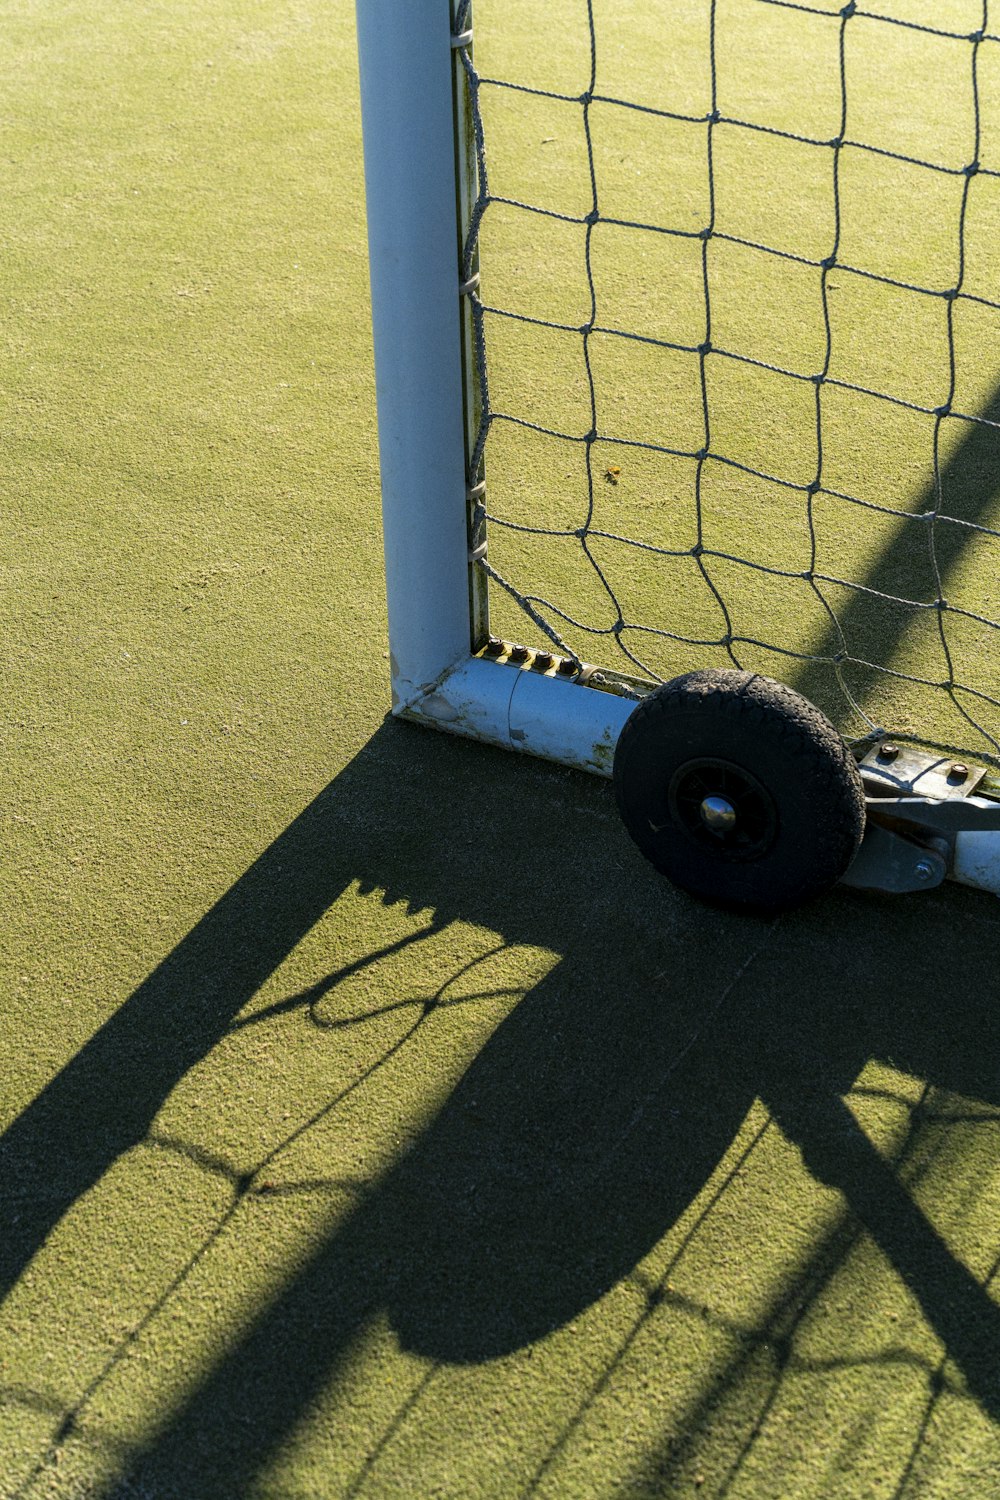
column 918, row 806
column 906, row 772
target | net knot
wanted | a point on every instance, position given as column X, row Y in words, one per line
column 836, row 141
column 807, row 575
column 849, row 9
column 817, row 379
column 940, row 605
column 977, row 36
column 701, row 454
column 971, row 169
column 586, row 97
column 706, row 347
column 697, row 549
column 586, row 328
column 618, row 626
column 943, row 411
column 706, row 233
column 714, row 117
column 592, row 217
column 829, row 263
column 591, row 436
column 951, row 294
column 814, row 487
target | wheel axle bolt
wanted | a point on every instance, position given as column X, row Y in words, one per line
column 718, row 814
column 924, row 869
column 519, row 653
column 958, row 773
column 888, row 752
column 543, row 661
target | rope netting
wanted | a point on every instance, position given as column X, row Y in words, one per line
column 738, row 346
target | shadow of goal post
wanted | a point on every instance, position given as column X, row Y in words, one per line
column 420, row 184
column 419, row 179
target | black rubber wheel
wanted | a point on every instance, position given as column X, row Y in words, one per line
column 739, row 790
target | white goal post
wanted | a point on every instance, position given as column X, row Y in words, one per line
column 411, row 93
column 420, row 168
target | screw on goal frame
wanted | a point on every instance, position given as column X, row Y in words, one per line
column 715, row 820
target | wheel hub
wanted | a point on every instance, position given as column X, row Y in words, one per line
column 723, row 808
column 718, row 815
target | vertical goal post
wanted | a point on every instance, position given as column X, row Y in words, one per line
column 418, row 166
column 447, row 671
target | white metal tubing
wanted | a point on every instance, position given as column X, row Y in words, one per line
column 406, row 69
column 977, row 856
column 577, row 726
column 518, row 709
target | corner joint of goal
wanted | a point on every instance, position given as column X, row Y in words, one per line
column 517, row 708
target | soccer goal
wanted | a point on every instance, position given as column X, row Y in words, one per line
column 687, row 344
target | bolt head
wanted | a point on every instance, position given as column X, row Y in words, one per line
column 923, row 869
column 718, row 815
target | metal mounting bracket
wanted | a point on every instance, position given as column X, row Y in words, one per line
column 889, row 861
column 920, row 814
column 917, row 805
column 890, row 770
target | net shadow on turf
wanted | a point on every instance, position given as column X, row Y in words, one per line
column 475, row 1276
column 573, row 1142
column 770, row 1348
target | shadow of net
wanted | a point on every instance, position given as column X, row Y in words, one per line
column 599, row 1112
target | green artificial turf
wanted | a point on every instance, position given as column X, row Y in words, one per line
column 374, row 1121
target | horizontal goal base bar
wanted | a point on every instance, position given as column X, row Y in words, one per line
column 521, row 709
column 541, row 714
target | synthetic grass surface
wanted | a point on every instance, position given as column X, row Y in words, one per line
column 374, row 1122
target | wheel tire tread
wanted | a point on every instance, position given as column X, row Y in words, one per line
column 764, row 707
